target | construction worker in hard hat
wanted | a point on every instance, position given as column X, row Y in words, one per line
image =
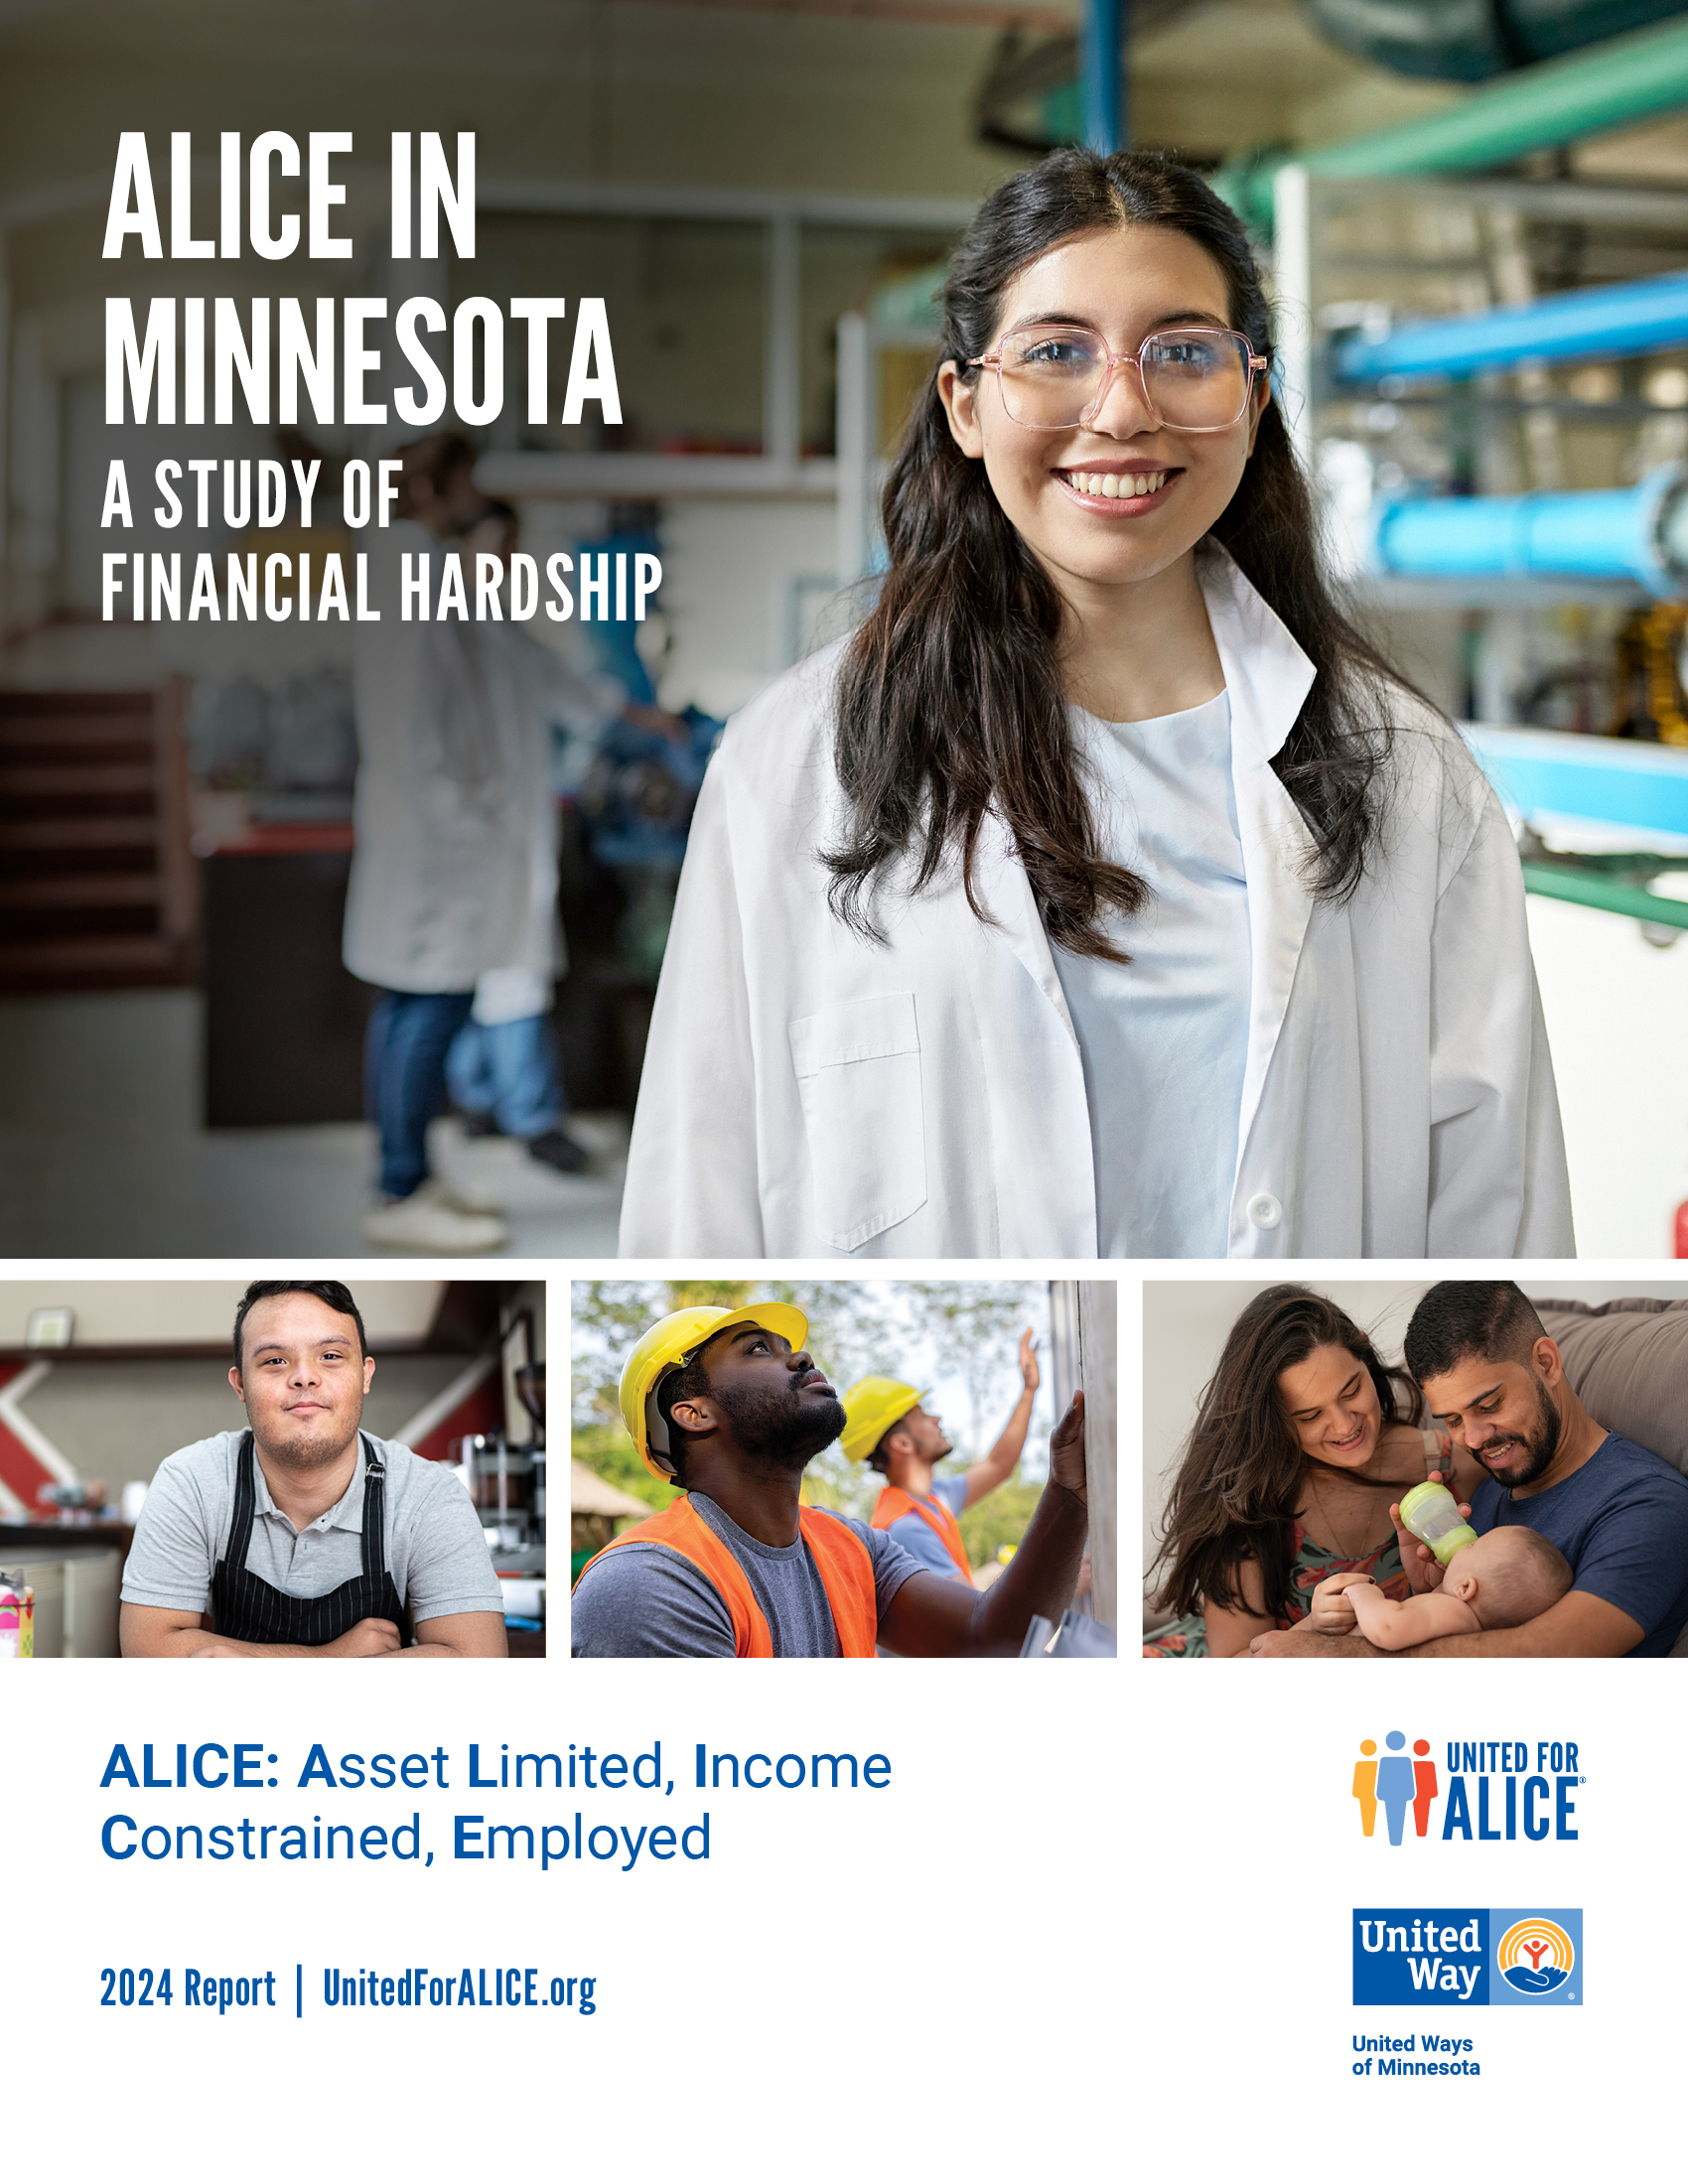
column 889, row 1429
column 727, row 1404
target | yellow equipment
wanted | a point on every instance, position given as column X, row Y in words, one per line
column 675, row 1341
column 870, row 1409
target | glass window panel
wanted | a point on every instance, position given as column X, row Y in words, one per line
column 686, row 311
column 843, row 269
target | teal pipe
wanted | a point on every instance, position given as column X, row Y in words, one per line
column 1617, row 319
column 1635, row 532
column 1556, row 102
column 1595, row 894
column 1102, row 46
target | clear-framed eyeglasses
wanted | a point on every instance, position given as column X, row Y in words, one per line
column 1194, row 378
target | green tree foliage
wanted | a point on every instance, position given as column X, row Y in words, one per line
column 999, row 1520
column 607, row 1450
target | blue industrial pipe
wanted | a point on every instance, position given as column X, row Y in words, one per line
column 1103, row 44
column 1545, row 774
column 1641, row 534
column 1620, row 321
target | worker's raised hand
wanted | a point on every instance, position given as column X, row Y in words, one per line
column 1066, row 1448
column 374, row 1635
column 1029, row 1372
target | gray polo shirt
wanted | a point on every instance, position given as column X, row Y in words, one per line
column 435, row 1549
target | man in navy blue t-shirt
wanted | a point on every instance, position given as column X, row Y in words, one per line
column 1526, row 1452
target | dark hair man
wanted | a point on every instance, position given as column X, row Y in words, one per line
column 731, row 1406
column 304, row 1535
column 1526, row 1452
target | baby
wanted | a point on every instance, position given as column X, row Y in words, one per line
column 1506, row 1577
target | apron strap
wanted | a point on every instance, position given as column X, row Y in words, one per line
column 246, row 1506
column 374, row 1511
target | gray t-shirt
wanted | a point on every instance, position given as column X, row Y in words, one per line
column 435, row 1550
column 926, row 1545
column 646, row 1599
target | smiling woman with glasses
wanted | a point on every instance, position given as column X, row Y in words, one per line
column 1106, row 893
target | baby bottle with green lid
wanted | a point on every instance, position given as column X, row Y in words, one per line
column 1432, row 1515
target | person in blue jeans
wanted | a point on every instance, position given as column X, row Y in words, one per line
column 404, row 1061
column 451, row 910
column 438, row 889
column 502, row 1071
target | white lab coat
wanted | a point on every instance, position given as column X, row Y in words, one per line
column 439, row 877
column 454, row 873
column 807, row 1094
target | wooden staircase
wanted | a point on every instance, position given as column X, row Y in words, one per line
column 98, row 882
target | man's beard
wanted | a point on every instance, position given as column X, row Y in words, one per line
column 309, row 1451
column 1539, row 1448
column 782, row 1428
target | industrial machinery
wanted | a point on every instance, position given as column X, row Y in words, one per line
column 1489, row 382
column 506, row 1480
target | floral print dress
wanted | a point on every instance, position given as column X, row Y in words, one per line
column 1186, row 1638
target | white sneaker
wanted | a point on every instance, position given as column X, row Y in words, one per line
column 427, row 1221
column 466, row 1197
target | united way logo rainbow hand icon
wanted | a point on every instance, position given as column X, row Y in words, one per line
column 1397, row 1781
column 1535, row 1955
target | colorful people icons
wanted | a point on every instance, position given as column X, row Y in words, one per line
column 1397, row 1784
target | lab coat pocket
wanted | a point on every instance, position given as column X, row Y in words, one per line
column 858, row 1067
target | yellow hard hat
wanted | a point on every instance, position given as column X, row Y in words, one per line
column 870, row 1409
column 675, row 1341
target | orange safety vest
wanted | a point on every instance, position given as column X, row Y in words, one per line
column 893, row 1503
column 845, row 1565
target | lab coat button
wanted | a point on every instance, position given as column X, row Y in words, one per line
column 1264, row 1210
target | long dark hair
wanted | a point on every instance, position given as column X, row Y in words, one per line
column 1241, row 1481
column 949, row 699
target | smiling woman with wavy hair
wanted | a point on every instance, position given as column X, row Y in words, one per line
column 1302, row 1439
column 1104, row 894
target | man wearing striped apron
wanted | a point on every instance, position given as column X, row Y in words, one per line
column 304, row 1534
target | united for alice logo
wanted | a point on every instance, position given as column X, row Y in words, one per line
column 1433, row 1959
column 1495, row 1791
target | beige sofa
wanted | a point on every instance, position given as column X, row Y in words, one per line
column 1629, row 1361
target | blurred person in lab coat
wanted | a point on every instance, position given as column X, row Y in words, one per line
column 440, row 887
column 501, row 1067
column 1106, row 893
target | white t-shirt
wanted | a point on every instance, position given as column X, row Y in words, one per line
column 1165, row 1037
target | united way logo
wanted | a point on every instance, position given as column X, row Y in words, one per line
column 1396, row 1782
column 1536, row 1955
column 1463, row 1957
